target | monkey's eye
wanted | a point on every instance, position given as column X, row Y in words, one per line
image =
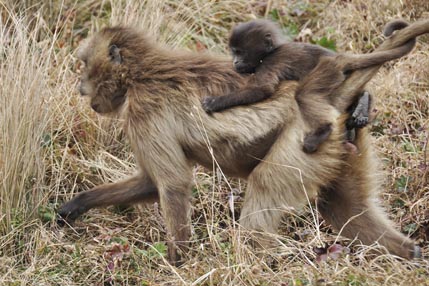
column 115, row 55
column 238, row 52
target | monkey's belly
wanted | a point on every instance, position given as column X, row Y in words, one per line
column 235, row 159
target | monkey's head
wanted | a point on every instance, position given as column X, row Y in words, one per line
column 251, row 42
column 105, row 78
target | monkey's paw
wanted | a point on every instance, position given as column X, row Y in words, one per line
column 417, row 253
column 209, row 104
column 360, row 121
column 69, row 212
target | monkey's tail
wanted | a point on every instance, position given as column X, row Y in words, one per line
column 404, row 33
column 354, row 62
column 345, row 94
column 394, row 25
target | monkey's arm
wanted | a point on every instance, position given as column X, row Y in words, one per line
column 248, row 95
column 261, row 86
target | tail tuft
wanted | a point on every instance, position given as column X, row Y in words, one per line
column 394, row 25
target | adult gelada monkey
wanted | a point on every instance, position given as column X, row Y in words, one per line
column 159, row 93
column 258, row 47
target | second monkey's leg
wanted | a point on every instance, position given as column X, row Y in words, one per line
column 349, row 204
column 313, row 99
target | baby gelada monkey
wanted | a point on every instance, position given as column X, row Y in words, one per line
column 258, row 47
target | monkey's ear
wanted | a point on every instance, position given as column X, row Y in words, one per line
column 115, row 55
column 268, row 42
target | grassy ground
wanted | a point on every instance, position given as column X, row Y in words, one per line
column 53, row 146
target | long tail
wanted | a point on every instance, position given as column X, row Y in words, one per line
column 393, row 26
column 347, row 92
column 353, row 62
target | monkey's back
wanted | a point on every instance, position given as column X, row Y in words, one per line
column 296, row 60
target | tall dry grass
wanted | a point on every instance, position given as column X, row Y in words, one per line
column 52, row 146
column 31, row 77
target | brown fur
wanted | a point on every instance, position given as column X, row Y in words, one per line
column 257, row 46
column 169, row 132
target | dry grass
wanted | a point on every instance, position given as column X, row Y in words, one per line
column 52, row 146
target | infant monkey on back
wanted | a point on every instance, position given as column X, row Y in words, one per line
column 258, row 48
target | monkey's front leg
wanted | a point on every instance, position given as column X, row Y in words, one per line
column 163, row 157
column 130, row 191
column 246, row 96
column 214, row 103
column 176, row 206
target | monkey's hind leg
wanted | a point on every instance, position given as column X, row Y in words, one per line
column 285, row 181
column 350, row 205
column 129, row 191
column 312, row 96
column 272, row 191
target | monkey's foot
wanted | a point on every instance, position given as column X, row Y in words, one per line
column 69, row 212
column 417, row 253
column 174, row 254
column 313, row 140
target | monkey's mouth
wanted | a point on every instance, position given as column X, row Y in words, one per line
column 111, row 103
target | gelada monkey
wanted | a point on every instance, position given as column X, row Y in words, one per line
column 158, row 94
column 258, row 47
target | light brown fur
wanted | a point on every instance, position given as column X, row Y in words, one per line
column 169, row 132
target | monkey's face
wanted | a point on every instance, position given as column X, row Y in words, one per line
column 242, row 61
column 246, row 59
column 250, row 43
column 247, row 54
column 103, row 78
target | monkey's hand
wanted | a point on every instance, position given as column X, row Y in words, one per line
column 359, row 118
column 212, row 104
